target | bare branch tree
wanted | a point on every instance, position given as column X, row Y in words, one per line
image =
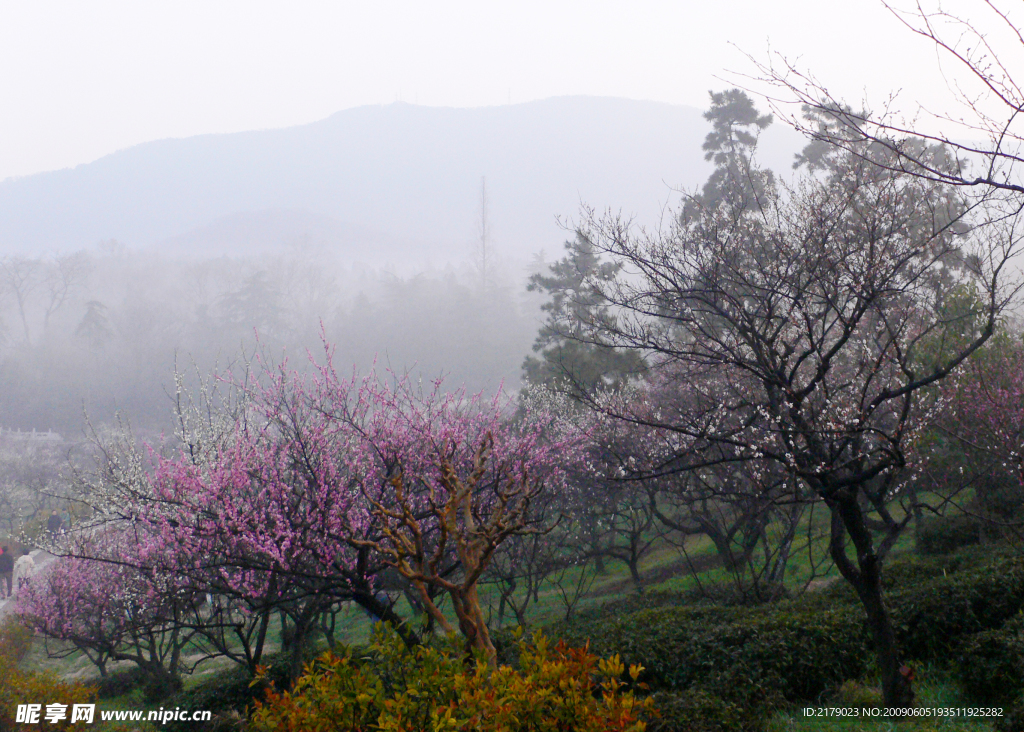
column 799, row 337
column 987, row 91
column 19, row 276
column 65, row 274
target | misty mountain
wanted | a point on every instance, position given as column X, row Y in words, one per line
column 377, row 183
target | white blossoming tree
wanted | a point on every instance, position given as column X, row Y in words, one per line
column 798, row 334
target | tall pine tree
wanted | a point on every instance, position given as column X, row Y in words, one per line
column 563, row 359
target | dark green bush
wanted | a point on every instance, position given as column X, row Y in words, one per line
column 634, row 602
column 799, row 650
column 936, row 602
column 736, row 653
column 911, row 570
column 854, row 693
column 1012, row 719
column 726, row 594
column 120, row 683
column 990, row 664
column 695, row 710
column 999, row 495
column 933, row 617
column 223, row 692
column 944, row 534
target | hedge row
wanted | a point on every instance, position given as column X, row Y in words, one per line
column 727, row 665
column 785, row 652
column 990, row 664
column 941, row 535
column 934, row 617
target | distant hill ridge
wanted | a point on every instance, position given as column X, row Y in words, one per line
column 387, row 181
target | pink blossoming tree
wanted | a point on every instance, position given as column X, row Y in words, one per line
column 309, row 487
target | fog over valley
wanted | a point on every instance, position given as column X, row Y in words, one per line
column 369, row 222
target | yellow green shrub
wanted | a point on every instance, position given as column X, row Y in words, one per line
column 18, row 686
column 396, row 689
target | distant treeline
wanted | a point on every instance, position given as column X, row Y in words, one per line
column 99, row 331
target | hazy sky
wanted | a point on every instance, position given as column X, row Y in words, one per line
column 82, row 79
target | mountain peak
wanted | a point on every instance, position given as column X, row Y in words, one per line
column 384, row 173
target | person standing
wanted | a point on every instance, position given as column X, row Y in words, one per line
column 6, row 572
column 24, row 568
column 53, row 524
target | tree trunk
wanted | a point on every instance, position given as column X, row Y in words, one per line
column 328, row 622
column 723, row 545
column 473, row 625
column 483, row 634
column 176, row 648
column 866, row 579
column 896, row 689
column 918, row 517
column 634, row 573
column 286, row 635
column 364, row 597
column 302, row 624
column 520, row 613
column 261, row 638
column 506, row 598
column 777, row 575
column 160, row 683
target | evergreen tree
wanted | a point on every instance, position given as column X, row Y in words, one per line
column 735, row 127
column 94, row 326
column 564, row 358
